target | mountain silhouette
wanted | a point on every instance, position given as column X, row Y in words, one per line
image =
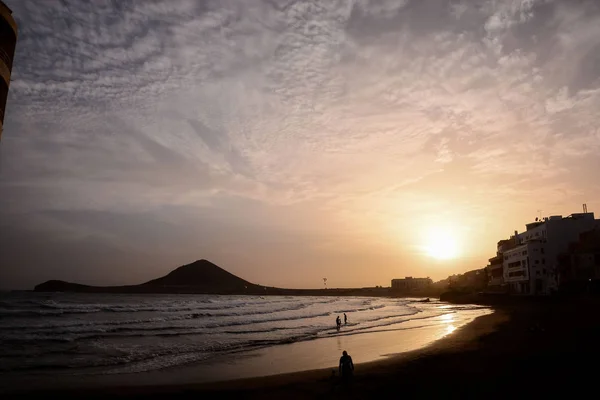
column 204, row 277
column 201, row 276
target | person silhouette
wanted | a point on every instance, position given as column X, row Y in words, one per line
column 345, row 319
column 346, row 367
column 338, row 322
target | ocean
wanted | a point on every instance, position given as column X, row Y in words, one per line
column 87, row 334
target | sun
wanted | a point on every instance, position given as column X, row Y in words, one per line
column 441, row 243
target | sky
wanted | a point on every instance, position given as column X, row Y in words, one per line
column 288, row 141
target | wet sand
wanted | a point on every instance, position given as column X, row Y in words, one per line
column 526, row 348
column 366, row 345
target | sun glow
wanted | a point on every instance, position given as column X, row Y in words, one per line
column 441, row 244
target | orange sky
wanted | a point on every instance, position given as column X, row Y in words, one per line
column 291, row 143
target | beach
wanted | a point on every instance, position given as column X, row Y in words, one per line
column 525, row 348
column 528, row 348
column 94, row 342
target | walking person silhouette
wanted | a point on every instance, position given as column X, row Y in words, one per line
column 346, row 367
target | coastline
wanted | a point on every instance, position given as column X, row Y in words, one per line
column 463, row 339
column 320, row 380
column 524, row 349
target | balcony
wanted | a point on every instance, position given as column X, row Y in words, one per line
column 496, row 281
column 516, row 264
column 494, row 268
column 5, row 58
column 496, row 260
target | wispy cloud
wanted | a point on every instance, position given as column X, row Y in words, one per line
column 363, row 116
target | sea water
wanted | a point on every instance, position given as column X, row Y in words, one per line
column 83, row 334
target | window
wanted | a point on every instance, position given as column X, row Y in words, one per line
column 537, row 261
column 524, row 253
column 543, row 261
column 514, row 264
column 542, row 250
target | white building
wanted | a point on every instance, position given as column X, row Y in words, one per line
column 524, row 268
column 410, row 284
column 530, row 260
column 496, row 266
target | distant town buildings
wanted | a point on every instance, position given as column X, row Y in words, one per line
column 530, row 262
column 8, row 42
column 410, row 284
column 496, row 267
column 475, row 280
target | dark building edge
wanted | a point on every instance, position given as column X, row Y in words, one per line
column 8, row 42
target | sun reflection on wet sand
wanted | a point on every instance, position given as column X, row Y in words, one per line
column 447, row 317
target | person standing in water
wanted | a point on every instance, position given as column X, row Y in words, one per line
column 338, row 322
column 346, row 367
column 345, row 319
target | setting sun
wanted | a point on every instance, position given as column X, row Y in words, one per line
column 440, row 243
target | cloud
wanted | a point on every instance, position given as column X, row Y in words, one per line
column 365, row 112
column 381, row 9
